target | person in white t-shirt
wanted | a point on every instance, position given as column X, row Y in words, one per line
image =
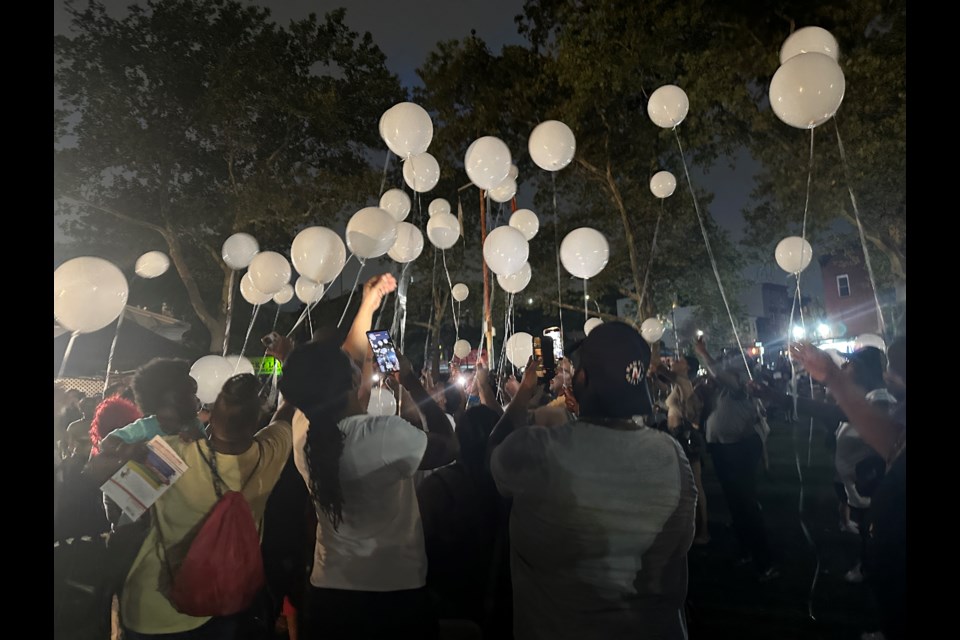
column 369, row 573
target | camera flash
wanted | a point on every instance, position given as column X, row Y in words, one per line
column 462, row 381
column 376, row 377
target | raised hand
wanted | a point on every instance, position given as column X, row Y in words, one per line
column 817, row 363
column 377, row 288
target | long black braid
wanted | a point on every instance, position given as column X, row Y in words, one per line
column 317, row 379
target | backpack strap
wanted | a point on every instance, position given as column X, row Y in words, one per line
column 218, row 483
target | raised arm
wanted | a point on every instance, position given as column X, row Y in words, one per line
column 877, row 428
column 442, row 444
column 515, row 415
column 374, row 291
column 725, row 378
column 482, row 383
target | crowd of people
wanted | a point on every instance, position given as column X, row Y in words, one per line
column 502, row 508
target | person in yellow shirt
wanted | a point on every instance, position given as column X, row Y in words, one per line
column 245, row 458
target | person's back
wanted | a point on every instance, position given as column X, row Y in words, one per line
column 603, row 508
column 463, row 528
column 599, row 531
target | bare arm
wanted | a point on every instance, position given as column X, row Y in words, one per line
column 725, row 378
column 484, row 390
column 515, row 415
column 374, row 290
column 876, row 427
column 442, row 444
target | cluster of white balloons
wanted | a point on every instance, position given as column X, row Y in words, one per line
column 407, row 130
column 793, row 254
column 808, row 88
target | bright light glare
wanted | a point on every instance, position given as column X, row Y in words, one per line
column 529, row 300
column 462, row 381
column 823, row 330
column 799, row 333
column 376, row 377
column 699, row 333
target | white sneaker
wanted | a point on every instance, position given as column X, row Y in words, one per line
column 854, row 576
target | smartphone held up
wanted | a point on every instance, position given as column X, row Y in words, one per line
column 384, row 351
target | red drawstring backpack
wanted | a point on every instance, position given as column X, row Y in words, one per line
column 222, row 571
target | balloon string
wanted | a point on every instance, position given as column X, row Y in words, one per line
column 433, row 311
column 226, row 329
column 246, row 338
column 863, row 237
column 310, row 324
column 310, row 307
column 508, row 332
column 353, row 289
column 806, row 531
column 66, row 353
column 457, row 323
column 653, row 249
column 556, row 247
column 713, row 261
column 275, row 318
column 383, row 180
column 113, row 347
column 453, row 309
column 586, row 310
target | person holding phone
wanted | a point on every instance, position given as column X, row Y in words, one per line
column 603, row 506
column 369, row 572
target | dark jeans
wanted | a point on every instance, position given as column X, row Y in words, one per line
column 368, row 615
column 736, row 468
column 226, row 628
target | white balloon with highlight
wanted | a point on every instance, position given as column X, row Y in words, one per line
column 663, row 184
column 152, row 264
column 668, row 106
column 505, row 250
column 552, row 145
column 584, row 252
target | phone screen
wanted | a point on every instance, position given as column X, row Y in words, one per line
column 554, row 334
column 384, row 351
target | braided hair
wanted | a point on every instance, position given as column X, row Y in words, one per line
column 318, row 380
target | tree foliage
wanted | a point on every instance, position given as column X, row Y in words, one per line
column 186, row 121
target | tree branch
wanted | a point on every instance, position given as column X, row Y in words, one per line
column 599, row 314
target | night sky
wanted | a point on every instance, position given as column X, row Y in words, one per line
column 407, row 31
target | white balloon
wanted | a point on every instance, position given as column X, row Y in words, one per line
column 552, row 145
column 651, row 329
column 514, row 172
column 318, row 254
column 668, row 106
column 285, row 294
column 371, row 232
column 396, row 202
column 505, row 251
column 516, row 282
column 869, row 340
column 807, row 90
column 407, row 129
column 240, row 364
column 584, row 252
column 487, row 162
column 591, row 324
column 663, row 184
column 382, row 402
column 269, row 271
column 438, row 205
column 809, row 40
column 443, row 230
column 793, row 254
column 460, row 292
column 408, row 245
column 88, row 294
column 250, row 293
column 211, row 372
column 461, row 349
column 238, row 250
column 421, row 172
column 519, row 349
column 504, row 191
column 152, row 264
column 526, row 222
column 307, row 290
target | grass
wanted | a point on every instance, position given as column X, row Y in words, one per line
column 727, row 601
